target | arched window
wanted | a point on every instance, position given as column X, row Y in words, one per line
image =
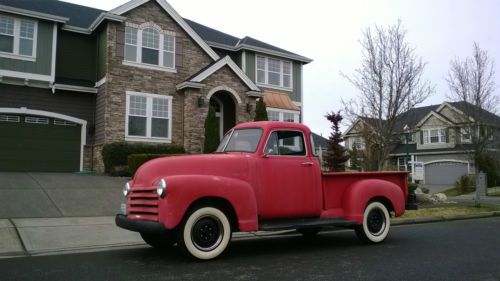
column 150, row 46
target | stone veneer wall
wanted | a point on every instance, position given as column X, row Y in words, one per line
column 187, row 118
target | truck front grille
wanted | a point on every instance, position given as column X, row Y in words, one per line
column 143, row 204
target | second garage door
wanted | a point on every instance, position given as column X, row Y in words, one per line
column 445, row 172
column 39, row 144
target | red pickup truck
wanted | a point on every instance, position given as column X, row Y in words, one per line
column 263, row 176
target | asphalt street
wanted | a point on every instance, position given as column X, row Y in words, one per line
column 458, row 250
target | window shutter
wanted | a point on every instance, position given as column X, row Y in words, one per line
column 447, row 132
column 421, row 137
column 179, row 52
column 120, row 41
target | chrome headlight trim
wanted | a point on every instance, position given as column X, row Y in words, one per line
column 126, row 189
column 161, row 188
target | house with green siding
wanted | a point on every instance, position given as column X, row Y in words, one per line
column 74, row 78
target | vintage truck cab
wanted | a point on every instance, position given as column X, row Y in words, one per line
column 263, row 176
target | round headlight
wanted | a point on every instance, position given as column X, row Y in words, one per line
column 161, row 186
column 126, row 189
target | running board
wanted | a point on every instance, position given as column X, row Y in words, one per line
column 283, row 224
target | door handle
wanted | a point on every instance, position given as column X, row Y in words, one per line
column 307, row 164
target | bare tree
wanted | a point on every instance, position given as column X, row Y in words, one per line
column 472, row 88
column 389, row 82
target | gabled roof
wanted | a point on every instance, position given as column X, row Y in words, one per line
column 77, row 15
column 78, row 18
column 212, row 68
column 82, row 19
column 222, row 40
column 435, row 114
column 132, row 4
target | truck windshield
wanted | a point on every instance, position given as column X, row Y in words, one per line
column 240, row 140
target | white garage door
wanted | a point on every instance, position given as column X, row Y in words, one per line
column 445, row 172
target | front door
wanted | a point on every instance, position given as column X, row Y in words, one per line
column 289, row 178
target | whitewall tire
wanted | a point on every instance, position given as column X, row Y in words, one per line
column 376, row 223
column 205, row 234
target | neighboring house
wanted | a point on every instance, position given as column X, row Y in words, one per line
column 74, row 78
column 439, row 141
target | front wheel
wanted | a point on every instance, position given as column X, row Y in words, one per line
column 205, row 233
column 376, row 224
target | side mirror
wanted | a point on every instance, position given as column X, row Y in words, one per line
column 270, row 151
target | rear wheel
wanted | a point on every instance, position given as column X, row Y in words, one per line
column 376, row 224
column 205, row 233
column 159, row 240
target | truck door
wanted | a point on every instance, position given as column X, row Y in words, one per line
column 290, row 184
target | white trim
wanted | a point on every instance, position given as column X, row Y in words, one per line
column 76, row 29
column 74, row 88
column 267, row 86
column 432, row 113
column 54, row 47
column 149, row 117
column 177, row 18
column 25, row 75
column 187, row 84
column 16, row 57
column 218, row 65
column 83, row 134
column 273, row 53
column 100, row 82
column 255, row 94
column 446, row 160
column 33, row 14
column 351, row 127
column 105, row 16
column 433, row 153
column 221, row 116
column 223, row 88
column 148, row 66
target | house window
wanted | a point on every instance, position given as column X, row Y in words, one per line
column 283, row 115
column 149, row 117
column 17, row 38
column 149, row 47
column 434, row 136
column 357, row 142
column 466, row 134
column 274, row 72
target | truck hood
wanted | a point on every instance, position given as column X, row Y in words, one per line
column 232, row 165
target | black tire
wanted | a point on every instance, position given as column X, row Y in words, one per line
column 205, row 233
column 159, row 241
column 309, row 232
column 376, row 224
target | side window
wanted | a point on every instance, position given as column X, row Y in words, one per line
column 289, row 143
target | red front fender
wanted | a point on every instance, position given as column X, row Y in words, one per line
column 183, row 190
column 361, row 192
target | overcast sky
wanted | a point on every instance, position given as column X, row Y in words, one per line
column 329, row 33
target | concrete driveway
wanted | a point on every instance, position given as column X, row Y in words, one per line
column 49, row 195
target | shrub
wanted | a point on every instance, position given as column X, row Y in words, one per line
column 116, row 154
column 136, row 160
column 465, row 184
column 212, row 137
column 260, row 111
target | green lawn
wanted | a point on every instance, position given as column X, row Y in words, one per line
column 447, row 211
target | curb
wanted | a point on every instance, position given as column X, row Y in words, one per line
column 405, row 221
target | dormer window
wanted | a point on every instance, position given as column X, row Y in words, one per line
column 17, row 38
column 150, row 47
